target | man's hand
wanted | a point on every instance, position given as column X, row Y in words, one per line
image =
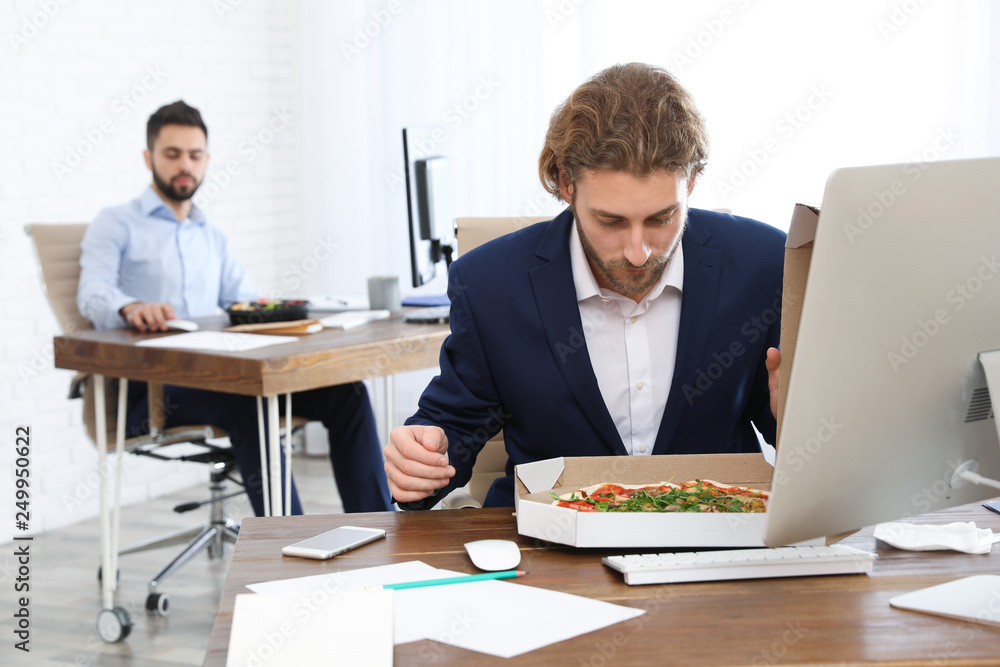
column 416, row 462
column 148, row 316
column 771, row 363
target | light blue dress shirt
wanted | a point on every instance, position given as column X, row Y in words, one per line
column 140, row 252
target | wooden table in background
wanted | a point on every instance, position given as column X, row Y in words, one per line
column 806, row 620
column 329, row 357
column 326, row 358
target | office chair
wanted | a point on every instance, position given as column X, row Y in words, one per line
column 491, row 462
column 57, row 247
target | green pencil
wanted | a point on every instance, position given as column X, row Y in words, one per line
column 506, row 574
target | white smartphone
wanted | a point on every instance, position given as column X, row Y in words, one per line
column 333, row 542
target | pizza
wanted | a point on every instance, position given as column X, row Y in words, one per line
column 701, row 495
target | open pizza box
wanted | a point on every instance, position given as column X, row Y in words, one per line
column 798, row 254
column 538, row 517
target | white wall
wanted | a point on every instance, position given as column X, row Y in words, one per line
column 81, row 79
column 790, row 91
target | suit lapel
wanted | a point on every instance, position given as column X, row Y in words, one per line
column 698, row 305
column 555, row 295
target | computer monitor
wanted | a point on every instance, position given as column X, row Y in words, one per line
column 887, row 395
column 428, row 201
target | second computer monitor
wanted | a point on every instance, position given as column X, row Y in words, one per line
column 429, row 201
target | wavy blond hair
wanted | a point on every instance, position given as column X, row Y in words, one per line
column 634, row 118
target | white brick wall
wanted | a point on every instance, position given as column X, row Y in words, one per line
column 84, row 77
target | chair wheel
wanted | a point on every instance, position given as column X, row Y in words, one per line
column 113, row 625
column 158, row 604
column 100, row 574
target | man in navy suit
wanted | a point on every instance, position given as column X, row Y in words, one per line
column 628, row 325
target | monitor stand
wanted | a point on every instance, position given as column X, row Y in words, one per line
column 968, row 470
column 975, row 598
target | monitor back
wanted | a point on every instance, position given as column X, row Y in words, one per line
column 886, row 396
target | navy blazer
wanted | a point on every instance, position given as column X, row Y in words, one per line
column 517, row 356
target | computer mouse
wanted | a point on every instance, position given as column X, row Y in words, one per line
column 494, row 555
column 181, row 325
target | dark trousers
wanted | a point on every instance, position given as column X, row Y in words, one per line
column 344, row 410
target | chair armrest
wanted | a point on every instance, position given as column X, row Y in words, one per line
column 77, row 385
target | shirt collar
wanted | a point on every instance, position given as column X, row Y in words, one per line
column 586, row 283
column 153, row 206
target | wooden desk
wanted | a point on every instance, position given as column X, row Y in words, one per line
column 330, row 357
column 326, row 358
column 813, row 620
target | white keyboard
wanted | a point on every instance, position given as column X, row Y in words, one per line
column 676, row 568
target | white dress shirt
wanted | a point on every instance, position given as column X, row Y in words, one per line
column 140, row 252
column 632, row 346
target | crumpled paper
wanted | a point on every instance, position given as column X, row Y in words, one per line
column 964, row 537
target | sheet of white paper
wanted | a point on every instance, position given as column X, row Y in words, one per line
column 219, row 341
column 349, row 320
column 337, row 303
column 495, row 617
column 502, row 618
column 356, row 580
column 312, row 628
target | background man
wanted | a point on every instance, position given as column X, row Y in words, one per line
column 628, row 325
column 157, row 258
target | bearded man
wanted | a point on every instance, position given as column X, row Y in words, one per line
column 629, row 325
column 157, row 258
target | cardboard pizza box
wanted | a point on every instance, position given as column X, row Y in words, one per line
column 537, row 517
column 798, row 254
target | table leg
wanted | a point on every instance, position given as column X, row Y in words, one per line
column 264, row 477
column 389, row 401
column 274, row 446
column 107, row 575
column 116, row 521
column 275, row 503
column 287, row 450
column 113, row 623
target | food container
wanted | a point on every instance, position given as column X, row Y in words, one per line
column 538, row 517
column 268, row 310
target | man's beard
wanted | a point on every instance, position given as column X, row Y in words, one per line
column 629, row 285
column 171, row 191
